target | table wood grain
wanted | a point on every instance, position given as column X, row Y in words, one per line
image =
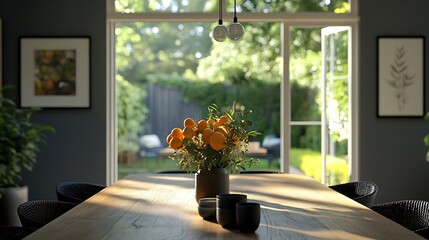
column 163, row 206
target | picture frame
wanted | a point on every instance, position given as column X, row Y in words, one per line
column 55, row 72
column 401, row 76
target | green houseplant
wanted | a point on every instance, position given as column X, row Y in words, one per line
column 19, row 139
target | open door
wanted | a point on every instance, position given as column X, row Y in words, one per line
column 336, row 77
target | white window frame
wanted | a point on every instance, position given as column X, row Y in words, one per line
column 287, row 20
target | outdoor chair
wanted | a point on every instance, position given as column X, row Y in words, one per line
column 37, row 213
column 363, row 192
column 150, row 145
column 272, row 144
column 14, row 232
column 412, row 214
column 77, row 192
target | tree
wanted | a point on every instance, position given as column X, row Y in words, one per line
column 147, row 48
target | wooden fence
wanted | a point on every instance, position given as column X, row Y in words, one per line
column 167, row 111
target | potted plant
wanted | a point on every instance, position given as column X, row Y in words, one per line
column 213, row 146
column 19, row 139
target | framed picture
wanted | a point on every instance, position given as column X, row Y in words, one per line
column 401, row 76
column 55, row 72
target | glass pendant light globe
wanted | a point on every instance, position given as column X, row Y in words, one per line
column 235, row 31
column 220, row 33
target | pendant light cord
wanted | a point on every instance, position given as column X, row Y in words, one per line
column 235, row 11
column 220, row 12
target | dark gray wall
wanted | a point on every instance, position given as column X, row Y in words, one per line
column 391, row 150
column 77, row 150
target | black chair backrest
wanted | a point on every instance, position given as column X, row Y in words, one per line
column 14, row 232
column 37, row 213
column 363, row 192
column 175, row 172
column 256, row 172
column 77, row 192
column 424, row 232
column 412, row 214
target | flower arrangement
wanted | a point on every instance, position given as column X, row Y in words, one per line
column 220, row 141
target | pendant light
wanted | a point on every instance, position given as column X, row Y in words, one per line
column 235, row 29
column 220, row 31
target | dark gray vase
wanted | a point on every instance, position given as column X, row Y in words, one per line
column 211, row 183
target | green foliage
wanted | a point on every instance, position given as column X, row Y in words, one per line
column 240, row 62
column 19, row 139
column 177, row 6
column 291, row 6
column 146, row 48
column 132, row 112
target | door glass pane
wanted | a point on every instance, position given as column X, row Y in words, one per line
column 305, row 74
column 170, row 71
column 337, row 102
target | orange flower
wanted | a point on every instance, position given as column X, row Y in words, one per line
column 215, row 142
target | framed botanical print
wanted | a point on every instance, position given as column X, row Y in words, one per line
column 401, row 76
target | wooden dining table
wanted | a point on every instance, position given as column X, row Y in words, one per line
column 163, row 206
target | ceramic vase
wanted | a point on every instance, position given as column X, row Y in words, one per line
column 211, row 183
column 11, row 198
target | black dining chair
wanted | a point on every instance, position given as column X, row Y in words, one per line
column 77, row 192
column 412, row 214
column 174, row 172
column 14, row 232
column 424, row 232
column 37, row 213
column 363, row 192
column 256, row 172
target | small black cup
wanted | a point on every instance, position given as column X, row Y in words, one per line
column 248, row 216
column 226, row 208
column 207, row 208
